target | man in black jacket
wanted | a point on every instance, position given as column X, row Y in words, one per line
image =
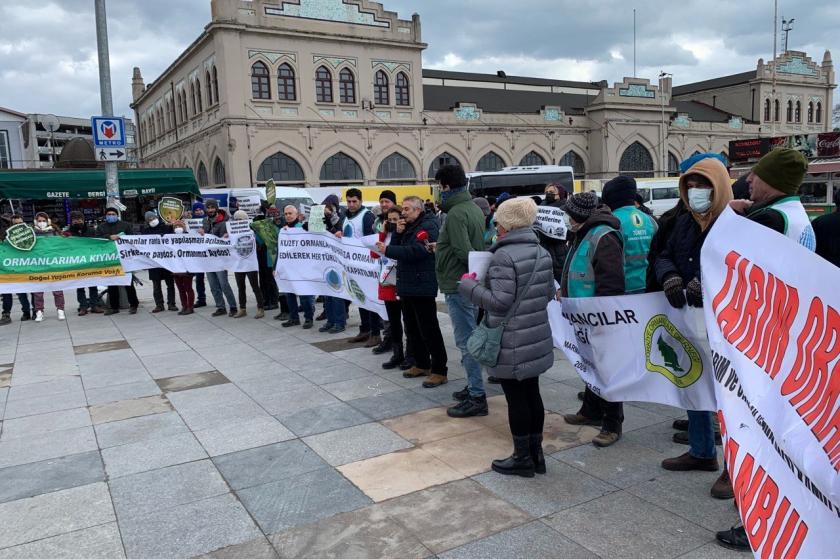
column 827, row 230
column 155, row 226
column 112, row 228
column 88, row 299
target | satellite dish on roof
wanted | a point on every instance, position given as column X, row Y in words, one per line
column 49, row 122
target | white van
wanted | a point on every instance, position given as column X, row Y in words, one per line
column 660, row 195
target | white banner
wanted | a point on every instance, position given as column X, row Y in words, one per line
column 188, row 253
column 773, row 315
column 321, row 264
column 637, row 348
column 551, row 222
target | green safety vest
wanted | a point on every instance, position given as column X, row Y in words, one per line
column 637, row 230
column 580, row 275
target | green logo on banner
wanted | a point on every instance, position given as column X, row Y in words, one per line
column 673, row 356
column 270, row 192
column 170, row 209
column 355, row 289
column 21, row 236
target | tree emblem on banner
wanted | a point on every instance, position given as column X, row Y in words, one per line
column 270, row 192
column 671, row 352
column 355, row 289
column 170, row 209
column 21, row 236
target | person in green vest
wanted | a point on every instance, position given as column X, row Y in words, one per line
column 637, row 230
column 594, row 268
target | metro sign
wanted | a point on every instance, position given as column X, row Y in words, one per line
column 108, row 132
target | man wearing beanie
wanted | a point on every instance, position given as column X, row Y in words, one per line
column 637, row 230
column 156, row 226
column 214, row 224
column 594, row 268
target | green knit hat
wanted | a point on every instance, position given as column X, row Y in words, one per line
column 783, row 169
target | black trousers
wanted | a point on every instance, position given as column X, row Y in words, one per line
column 157, row 291
column 253, row 279
column 268, row 285
column 526, row 414
column 595, row 407
column 114, row 296
column 423, row 333
column 394, row 310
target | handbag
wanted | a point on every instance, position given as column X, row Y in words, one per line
column 485, row 343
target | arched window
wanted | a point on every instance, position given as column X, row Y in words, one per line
column 575, row 161
column 636, row 161
column 380, row 89
column 674, row 162
column 395, row 167
column 323, row 85
column 531, row 159
column 818, row 117
column 810, row 112
column 202, row 175
column 168, row 116
column 281, row 168
column 219, row 172
column 401, row 93
column 767, row 109
column 444, row 158
column 777, row 114
column 790, row 111
column 797, row 115
column 341, row 167
column 260, row 88
column 179, row 108
column 346, row 86
column 215, row 84
column 198, row 95
column 208, row 85
column 286, row 88
column 490, row 162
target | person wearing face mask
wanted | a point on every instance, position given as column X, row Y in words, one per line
column 388, row 286
column 88, row 298
column 6, row 221
column 594, row 267
column 156, row 226
column 112, row 228
column 214, row 224
column 200, row 287
column 265, row 232
column 555, row 197
column 184, row 280
column 44, row 228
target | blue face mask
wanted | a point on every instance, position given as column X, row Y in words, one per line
column 112, row 218
column 447, row 194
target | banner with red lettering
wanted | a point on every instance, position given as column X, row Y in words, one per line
column 774, row 328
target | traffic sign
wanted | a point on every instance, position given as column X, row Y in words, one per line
column 108, row 132
column 109, row 154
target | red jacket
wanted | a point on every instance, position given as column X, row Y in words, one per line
column 387, row 293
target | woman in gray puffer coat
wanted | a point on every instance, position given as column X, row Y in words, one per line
column 527, row 349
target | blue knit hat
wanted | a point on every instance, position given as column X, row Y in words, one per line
column 689, row 163
column 198, row 206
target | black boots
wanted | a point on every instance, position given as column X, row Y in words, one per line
column 469, row 407
column 537, row 452
column 395, row 359
column 519, row 463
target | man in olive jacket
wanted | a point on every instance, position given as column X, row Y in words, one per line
column 462, row 232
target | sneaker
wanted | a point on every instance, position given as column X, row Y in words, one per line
column 734, row 539
column 25, row 316
column 157, row 310
column 61, row 315
column 461, row 395
column 681, row 437
column 307, row 324
column 686, row 463
column 337, row 329
column 435, row 380
column 290, row 323
column 373, row 341
column 219, row 312
column 39, row 316
column 578, row 419
column 325, row 328
column 722, row 488
column 606, row 438
column 415, row 372
column 240, row 313
column 5, row 319
column 471, row 407
column 108, row 312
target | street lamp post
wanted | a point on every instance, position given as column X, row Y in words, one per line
column 663, row 131
column 112, row 185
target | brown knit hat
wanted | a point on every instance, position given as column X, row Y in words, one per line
column 783, row 169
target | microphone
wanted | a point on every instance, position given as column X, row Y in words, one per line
column 423, row 236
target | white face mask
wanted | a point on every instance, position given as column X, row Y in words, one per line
column 700, row 199
column 179, row 230
column 42, row 224
column 154, row 223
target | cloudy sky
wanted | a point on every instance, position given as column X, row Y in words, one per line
column 48, row 47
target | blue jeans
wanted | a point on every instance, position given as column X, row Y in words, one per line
column 221, row 290
column 200, row 293
column 89, row 299
column 701, row 434
column 336, row 311
column 307, row 302
column 462, row 314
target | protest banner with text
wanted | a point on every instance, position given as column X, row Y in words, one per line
column 773, row 318
column 322, row 264
column 551, row 222
column 188, row 253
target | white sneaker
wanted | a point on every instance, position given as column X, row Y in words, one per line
column 39, row 316
column 61, row 314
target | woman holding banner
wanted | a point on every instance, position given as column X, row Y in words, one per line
column 45, row 228
column 184, row 281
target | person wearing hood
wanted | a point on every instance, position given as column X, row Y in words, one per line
column 45, row 228
column 200, row 287
column 156, row 226
column 705, row 191
column 516, row 291
column 463, row 232
column 215, row 224
column 112, row 228
column 6, row 221
column 594, row 268
column 555, row 197
column 88, row 299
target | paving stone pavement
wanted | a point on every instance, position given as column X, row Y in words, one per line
column 164, row 436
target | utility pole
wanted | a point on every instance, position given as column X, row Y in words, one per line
column 775, row 43
column 663, row 128
column 112, row 185
column 634, row 42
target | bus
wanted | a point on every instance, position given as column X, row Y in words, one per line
column 521, row 181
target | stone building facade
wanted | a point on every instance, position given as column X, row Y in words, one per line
column 332, row 92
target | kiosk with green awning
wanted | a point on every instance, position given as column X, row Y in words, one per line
column 90, row 183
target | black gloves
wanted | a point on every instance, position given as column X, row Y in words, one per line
column 694, row 293
column 673, row 287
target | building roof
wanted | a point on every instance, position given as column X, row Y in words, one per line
column 11, row 112
column 493, row 78
column 445, row 98
column 716, row 83
column 702, row 112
